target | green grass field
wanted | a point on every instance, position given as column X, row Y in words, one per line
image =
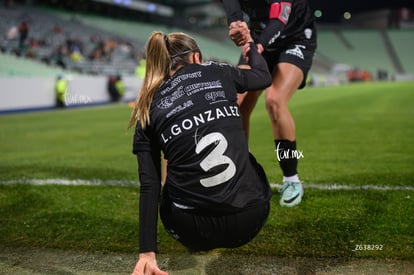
column 356, row 135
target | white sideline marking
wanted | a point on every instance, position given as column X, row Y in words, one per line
column 335, row 186
column 97, row 182
column 78, row 182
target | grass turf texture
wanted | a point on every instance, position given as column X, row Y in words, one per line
column 357, row 134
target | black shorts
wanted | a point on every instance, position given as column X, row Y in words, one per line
column 203, row 231
column 299, row 54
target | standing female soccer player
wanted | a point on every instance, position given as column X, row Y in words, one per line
column 215, row 194
column 285, row 34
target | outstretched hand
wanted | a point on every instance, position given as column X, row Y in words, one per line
column 147, row 265
column 239, row 33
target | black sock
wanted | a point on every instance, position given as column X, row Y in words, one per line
column 287, row 160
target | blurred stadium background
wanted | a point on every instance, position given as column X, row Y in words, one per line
column 365, row 130
column 89, row 41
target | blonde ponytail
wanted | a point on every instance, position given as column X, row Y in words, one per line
column 156, row 72
column 163, row 53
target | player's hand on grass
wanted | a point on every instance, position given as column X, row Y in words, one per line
column 147, row 265
column 239, row 33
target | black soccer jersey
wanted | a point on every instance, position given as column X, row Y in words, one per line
column 195, row 121
column 297, row 24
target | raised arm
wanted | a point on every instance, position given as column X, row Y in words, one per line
column 238, row 30
column 257, row 75
column 233, row 11
column 278, row 19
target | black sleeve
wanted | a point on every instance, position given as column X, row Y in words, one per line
column 149, row 172
column 258, row 76
column 271, row 33
column 233, row 10
column 273, row 30
column 149, row 177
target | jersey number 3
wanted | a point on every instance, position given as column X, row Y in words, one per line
column 215, row 158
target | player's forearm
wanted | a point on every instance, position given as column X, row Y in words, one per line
column 233, row 10
column 258, row 77
column 150, row 188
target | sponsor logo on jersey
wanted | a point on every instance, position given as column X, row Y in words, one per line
column 273, row 39
column 180, row 108
column 216, row 96
column 167, row 101
column 172, row 83
column 308, row 33
column 201, row 86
